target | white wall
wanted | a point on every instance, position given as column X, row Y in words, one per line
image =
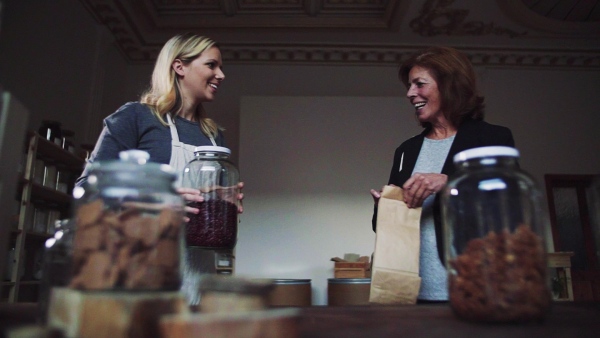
column 554, row 116
column 308, row 164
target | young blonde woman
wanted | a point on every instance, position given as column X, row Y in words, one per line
column 169, row 121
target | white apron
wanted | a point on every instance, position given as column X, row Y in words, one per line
column 181, row 155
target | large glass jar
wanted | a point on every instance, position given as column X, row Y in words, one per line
column 128, row 219
column 494, row 223
column 58, row 262
column 211, row 171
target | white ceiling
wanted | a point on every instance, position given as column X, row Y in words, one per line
column 538, row 33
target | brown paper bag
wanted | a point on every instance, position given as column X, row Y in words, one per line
column 395, row 274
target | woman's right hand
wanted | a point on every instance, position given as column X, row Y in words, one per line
column 376, row 195
column 190, row 195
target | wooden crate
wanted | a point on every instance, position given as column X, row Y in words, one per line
column 352, row 270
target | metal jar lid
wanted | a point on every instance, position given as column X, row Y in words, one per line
column 290, row 281
column 349, row 280
column 132, row 167
column 223, row 283
column 212, row 149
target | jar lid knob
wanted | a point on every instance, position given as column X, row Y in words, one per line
column 135, row 156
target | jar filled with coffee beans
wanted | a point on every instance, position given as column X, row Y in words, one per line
column 494, row 223
column 217, row 178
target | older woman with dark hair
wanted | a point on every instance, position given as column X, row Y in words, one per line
column 442, row 87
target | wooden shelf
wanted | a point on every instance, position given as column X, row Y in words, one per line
column 27, row 244
column 30, row 282
column 45, row 196
column 39, row 235
column 52, row 152
column 49, row 196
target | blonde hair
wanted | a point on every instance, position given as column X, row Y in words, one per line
column 164, row 95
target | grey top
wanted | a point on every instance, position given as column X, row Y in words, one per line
column 434, row 279
column 133, row 126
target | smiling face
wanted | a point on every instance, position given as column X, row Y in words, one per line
column 201, row 78
column 424, row 95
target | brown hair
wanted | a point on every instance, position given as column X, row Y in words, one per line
column 456, row 82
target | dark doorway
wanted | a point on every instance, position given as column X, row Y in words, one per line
column 574, row 208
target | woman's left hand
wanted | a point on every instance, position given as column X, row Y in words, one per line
column 420, row 186
column 190, row 195
column 240, row 197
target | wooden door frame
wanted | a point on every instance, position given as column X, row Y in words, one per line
column 579, row 183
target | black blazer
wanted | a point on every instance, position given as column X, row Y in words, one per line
column 470, row 134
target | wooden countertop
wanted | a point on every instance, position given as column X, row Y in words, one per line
column 566, row 319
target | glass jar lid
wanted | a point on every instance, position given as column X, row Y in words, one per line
column 480, row 152
column 134, row 162
column 212, row 149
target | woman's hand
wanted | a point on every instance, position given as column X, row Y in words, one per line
column 190, row 195
column 377, row 195
column 420, row 186
column 232, row 194
column 240, row 197
column 194, row 195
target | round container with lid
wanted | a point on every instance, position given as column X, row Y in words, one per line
column 222, row 293
column 291, row 293
column 128, row 226
column 494, row 223
column 348, row 291
column 217, row 178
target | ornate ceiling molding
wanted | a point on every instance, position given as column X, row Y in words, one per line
column 390, row 55
column 437, row 18
column 140, row 27
column 290, row 13
column 558, row 18
column 215, row 14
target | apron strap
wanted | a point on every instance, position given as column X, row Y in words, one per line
column 175, row 135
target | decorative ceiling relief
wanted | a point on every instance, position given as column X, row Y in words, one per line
column 386, row 56
column 576, row 19
column 436, row 18
column 268, row 13
column 349, row 32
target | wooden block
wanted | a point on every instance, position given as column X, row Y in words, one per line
column 100, row 314
column 279, row 323
column 351, row 273
column 351, row 265
column 352, row 269
column 559, row 259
